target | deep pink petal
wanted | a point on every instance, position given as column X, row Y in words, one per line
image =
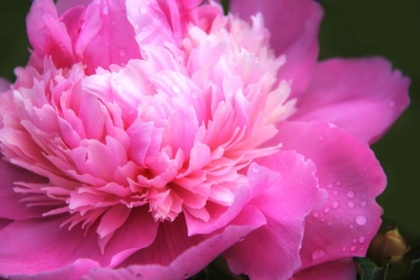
column 106, row 28
column 175, row 256
column 65, row 5
column 294, row 32
column 37, row 245
column 291, row 192
column 47, row 35
column 344, row 269
column 70, row 272
column 10, row 205
column 364, row 96
column 353, row 177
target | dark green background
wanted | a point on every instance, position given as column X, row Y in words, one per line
column 351, row 28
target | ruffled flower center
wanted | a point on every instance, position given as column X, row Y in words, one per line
column 171, row 131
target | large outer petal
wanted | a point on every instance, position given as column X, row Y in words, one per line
column 364, row 96
column 294, row 32
column 65, row 5
column 10, row 205
column 175, row 256
column 353, row 177
column 40, row 245
column 290, row 193
column 47, row 35
column 344, row 269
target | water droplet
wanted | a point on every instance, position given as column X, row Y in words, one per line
column 241, row 238
column 194, row 94
column 176, row 89
column 353, row 248
column 338, row 183
column 361, row 248
column 361, row 220
column 326, row 210
column 318, row 254
column 138, row 275
column 321, row 138
column 329, row 223
column 351, row 226
column 105, row 10
column 350, row 205
column 350, row 194
column 142, row 10
column 335, row 193
column 354, row 240
column 362, row 239
column 344, row 249
column 363, row 203
column 330, row 186
column 186, row 275
column 316, row 214
column 391, row 104
column 122, row 52
column 256, row 168
column 113, row 22
column 322, row 219
column 335, row 204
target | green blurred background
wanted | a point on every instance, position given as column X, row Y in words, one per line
column 351, row 28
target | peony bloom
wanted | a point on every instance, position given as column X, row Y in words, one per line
column 144, row 138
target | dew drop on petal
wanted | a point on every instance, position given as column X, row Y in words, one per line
column 321, row 138
column 350, row 204
column 350, row 194
column 326, row 210
column 122, row 52
column 363, row 203
column 362, row 239
column 353, row 248
column 105, row 10
column 344, row 249
column 330, row 186
column 351, row 226
column 335, row 193
column 354, row 240
column 316, row 214
column 361, row 220
column 241, row 238
column 338, row 183
column 138, row 275
column 335, row 204
column 318, row 254
column 186, row 276
column 256, row 168
column 329, row 223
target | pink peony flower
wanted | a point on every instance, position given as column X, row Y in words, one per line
column 146, row 137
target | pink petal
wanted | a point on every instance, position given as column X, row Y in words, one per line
column 353, row 177
column 294, row 32
column 65, row 5
column 343, row 269
column 291, row 192
column 364, row 96
column 4, row 85
column 174, row 255
column 70, row 272
column 10, row 205
column 47, row 35
column 107, row 29
column 42, row 245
